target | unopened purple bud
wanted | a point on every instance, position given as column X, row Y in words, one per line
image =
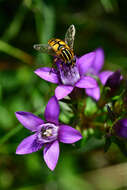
column 114, row 80
column 120, row 128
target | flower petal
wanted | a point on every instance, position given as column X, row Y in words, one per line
column 99, row 60
column 51, row 154
column 62, row 90
column 52, row 110
column 85, row 62
column 29, row 120
column 47, row 74
column 68, row 134
column 104, row 76
column 93, row 92
column 29, row 145
column 86, row 82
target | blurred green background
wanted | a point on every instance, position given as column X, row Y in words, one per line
column 99, row 23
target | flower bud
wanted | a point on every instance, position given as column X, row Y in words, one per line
column 114, row 80
column 120, row 128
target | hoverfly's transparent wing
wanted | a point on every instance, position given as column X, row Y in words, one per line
column 44, row 48
column 70, row 36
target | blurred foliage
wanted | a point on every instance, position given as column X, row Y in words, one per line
column 99, row 23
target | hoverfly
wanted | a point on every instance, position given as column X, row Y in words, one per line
column 59, row 48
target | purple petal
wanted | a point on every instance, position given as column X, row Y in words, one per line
column 99, row 60
column 68, row 134
column 51, row 154
column 93, row 92
column 86, row 82
column 29, row 120
column 121, row 128
column 47, row 74
column 62, row 90
column 85, row 62
column 104, row 76
column 29, row 145
column 52, row 110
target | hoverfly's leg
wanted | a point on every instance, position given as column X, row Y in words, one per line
column 66, row 68
column 53, row 65
column 55, row 60
column 73, row 61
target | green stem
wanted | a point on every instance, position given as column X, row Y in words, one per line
column 97, row 124
column 14, row 28
column 15, row 52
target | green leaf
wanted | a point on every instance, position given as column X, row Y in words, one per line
column 91, row 144
column 107, row 144
column 91, row 106
column 15, row 26
column 121, row 144
column 15, row 52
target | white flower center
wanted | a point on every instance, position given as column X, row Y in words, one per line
column 48, row 132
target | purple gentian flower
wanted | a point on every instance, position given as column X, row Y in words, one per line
column 94, row 67
column 67, row 77
column 114, row 80
column 120, row 128
column 47, row 134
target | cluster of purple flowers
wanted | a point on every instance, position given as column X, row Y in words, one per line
column 47, row 133
column 85, row 74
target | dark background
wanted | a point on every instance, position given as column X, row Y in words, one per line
column 99, row 23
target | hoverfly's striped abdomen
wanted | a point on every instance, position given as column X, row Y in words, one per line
column 62, row 50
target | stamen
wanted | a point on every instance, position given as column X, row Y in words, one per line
column 69, row 75
column 48, row 132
